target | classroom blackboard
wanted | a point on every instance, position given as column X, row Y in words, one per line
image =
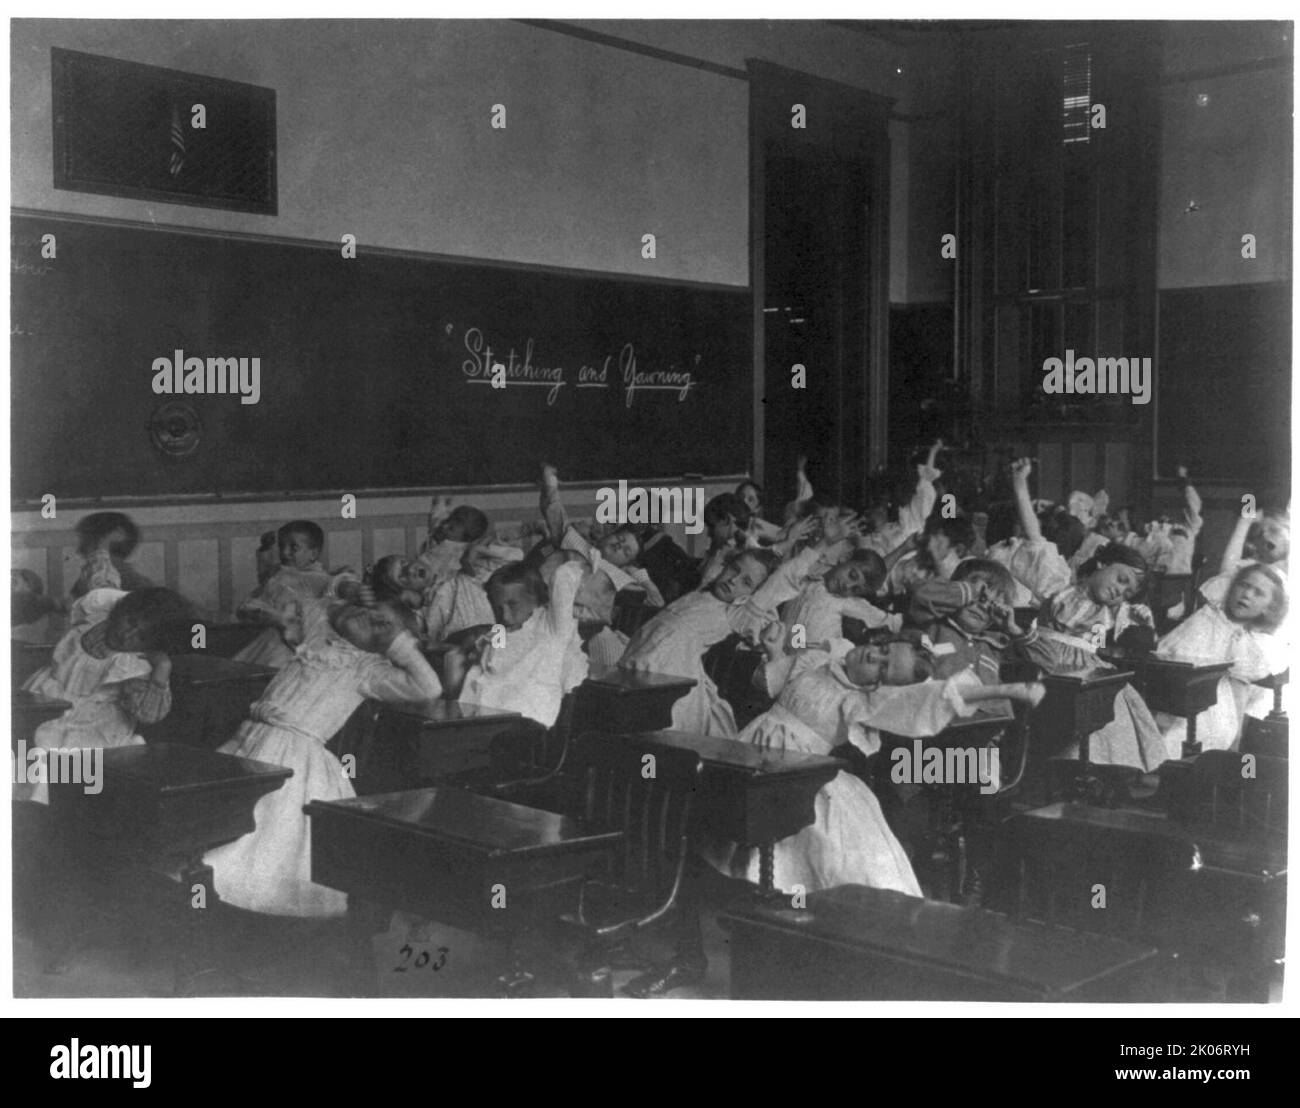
column 374, row 371
column 1223, row 384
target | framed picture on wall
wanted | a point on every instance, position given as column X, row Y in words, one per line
column 126, row 129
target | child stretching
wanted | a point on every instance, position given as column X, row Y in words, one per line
column 451, row 530
column 613, row 558
column 843, row 695
column 349, row 653
column 1241, row 631
column 1264, row 538
column 885, row 536
column 463, row 602
column 105, row 540
column 112, row 667
column 963, row 618
column 821, row 606
column 944, row 543
column 1035, row 564
column 743, row 598
column 534, row 657
column 1081, row 620
column 277, row 603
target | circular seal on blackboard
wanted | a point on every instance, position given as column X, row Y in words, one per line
column 175, row 429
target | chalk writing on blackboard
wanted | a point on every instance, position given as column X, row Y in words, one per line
column 484, row 363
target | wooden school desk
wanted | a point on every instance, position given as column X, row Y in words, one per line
column 448, row 855
column 30, row 710
column 210, row 699
column 624, row 700
column 750, row 795
column 857, row 943
column 421, row 744
column 161, row 808
column 951, row 802
column 1076, row 705
column 1181, row 687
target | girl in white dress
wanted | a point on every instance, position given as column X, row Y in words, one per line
column 1035, row 564
column 1241, row 631
column 847, row 694
column 349, row 653
column 111, row 666
column 821, row 606
column 743, row 599
column 1078, row 622
column 277, row 602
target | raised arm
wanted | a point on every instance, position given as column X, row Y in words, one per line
column 1020, row 470
column 1232, row 553
column 405, row 676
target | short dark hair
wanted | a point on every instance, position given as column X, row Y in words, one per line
column 1114, row 553
column 726, row 505
column 873, row 567
column 517, row 573
column 473, row 521
column 304, row 527
column 994, row 574
column 377, row 577
column 957, row 530
column 91, row 530
column 1063, row 529
column 164, row 617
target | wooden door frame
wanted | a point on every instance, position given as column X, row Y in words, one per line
column 876, row 149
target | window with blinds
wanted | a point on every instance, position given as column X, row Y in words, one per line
column 1076, row 93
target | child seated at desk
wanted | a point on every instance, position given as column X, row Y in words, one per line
column 1242, row 631
column 277, row 602
column 349, row 653
column 822, row 605
column 964, row 619
column 1083, row 619
column 534, row 656
column 1264, row 538
column 1037, row 566
column 744, row 599
column 613, row 555
column 113, row 668
column 845, row 694
column 451, row 530
column 942, row 545
column 463, row 601
column 105, row 540
column 914, row 499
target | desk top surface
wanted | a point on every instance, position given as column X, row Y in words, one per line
column 629, row 681
column 1184, row 664
column 447, row 713
column 1094, row 678
column 755, row 761
column 173, row 768
column 984, row 943
column 457, row 815
column 25, row 701
column 209, row 669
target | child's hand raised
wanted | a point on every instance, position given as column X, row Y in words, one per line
column 838, row 528
column 550, row 478
column 1020, row 470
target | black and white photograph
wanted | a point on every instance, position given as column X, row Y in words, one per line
column 651, row 509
